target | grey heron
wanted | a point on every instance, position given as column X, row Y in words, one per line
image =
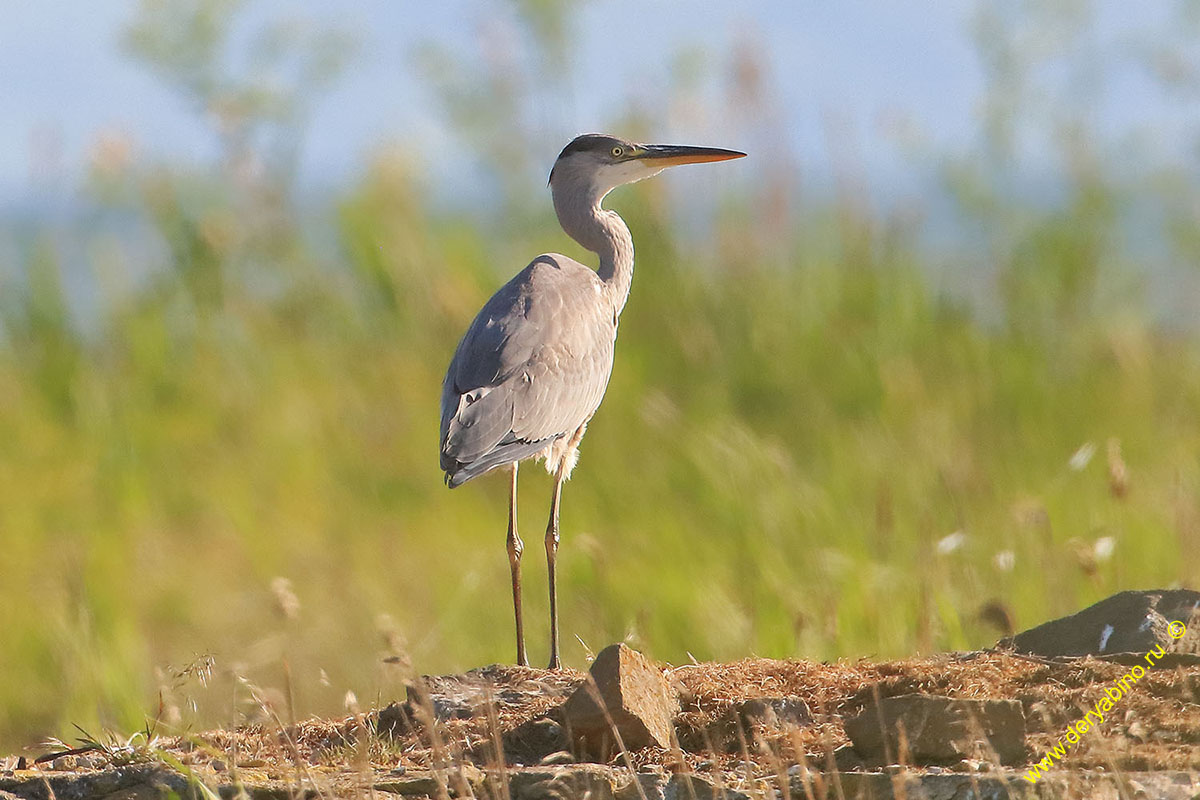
column 532, row 368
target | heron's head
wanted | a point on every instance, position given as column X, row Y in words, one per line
column 595, row 163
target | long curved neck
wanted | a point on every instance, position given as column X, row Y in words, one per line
column 605, row 234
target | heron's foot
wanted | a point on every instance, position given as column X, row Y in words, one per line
column 554, row 663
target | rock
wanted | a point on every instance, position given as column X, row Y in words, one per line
column 1128, row 622
column 580, row 780
column 774, row 712
column 531, row 741
column 273, row 789
column 132, row 781
column 462, row 781
column 139, row 792
column 749, row 722
column 467, row 695
column 1066, row 785
column 847, row 759
column 939, row 729
column 636, row 695
column 597, row 783
column 557, row 757
column 693, row 787
column 644, row 786
column 415, row 784
column 395, row 720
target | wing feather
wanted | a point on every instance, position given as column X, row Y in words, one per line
column 532, row 367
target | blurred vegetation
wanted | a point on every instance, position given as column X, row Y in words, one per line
column 810, row 447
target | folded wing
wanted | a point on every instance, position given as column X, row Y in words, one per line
column 532, row 368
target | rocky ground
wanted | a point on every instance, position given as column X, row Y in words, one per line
column 955, row 725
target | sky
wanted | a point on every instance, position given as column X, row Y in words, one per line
column 65, row 79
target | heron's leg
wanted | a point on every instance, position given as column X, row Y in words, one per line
column 515, row 548
column 551, row 557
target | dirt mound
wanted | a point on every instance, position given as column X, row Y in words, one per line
column 1155, row 725
column 508, row 724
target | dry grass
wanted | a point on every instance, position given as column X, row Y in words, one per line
column 814, row 442
column 1157, row 726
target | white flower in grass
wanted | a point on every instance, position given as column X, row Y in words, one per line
column 1083, row 456
column 948, row 544
column 1103, row 548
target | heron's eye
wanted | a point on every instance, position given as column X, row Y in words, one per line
column 618, row 151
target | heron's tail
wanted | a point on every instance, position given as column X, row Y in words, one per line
column 458, row 473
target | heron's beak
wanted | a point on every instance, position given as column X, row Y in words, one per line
column 670, row 155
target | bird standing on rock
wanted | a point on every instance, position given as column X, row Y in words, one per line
column 532, row 368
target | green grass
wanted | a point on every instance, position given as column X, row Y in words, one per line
column 791, row 429
column 801, row 419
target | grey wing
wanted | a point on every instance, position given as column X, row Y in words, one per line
column 532, row 368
